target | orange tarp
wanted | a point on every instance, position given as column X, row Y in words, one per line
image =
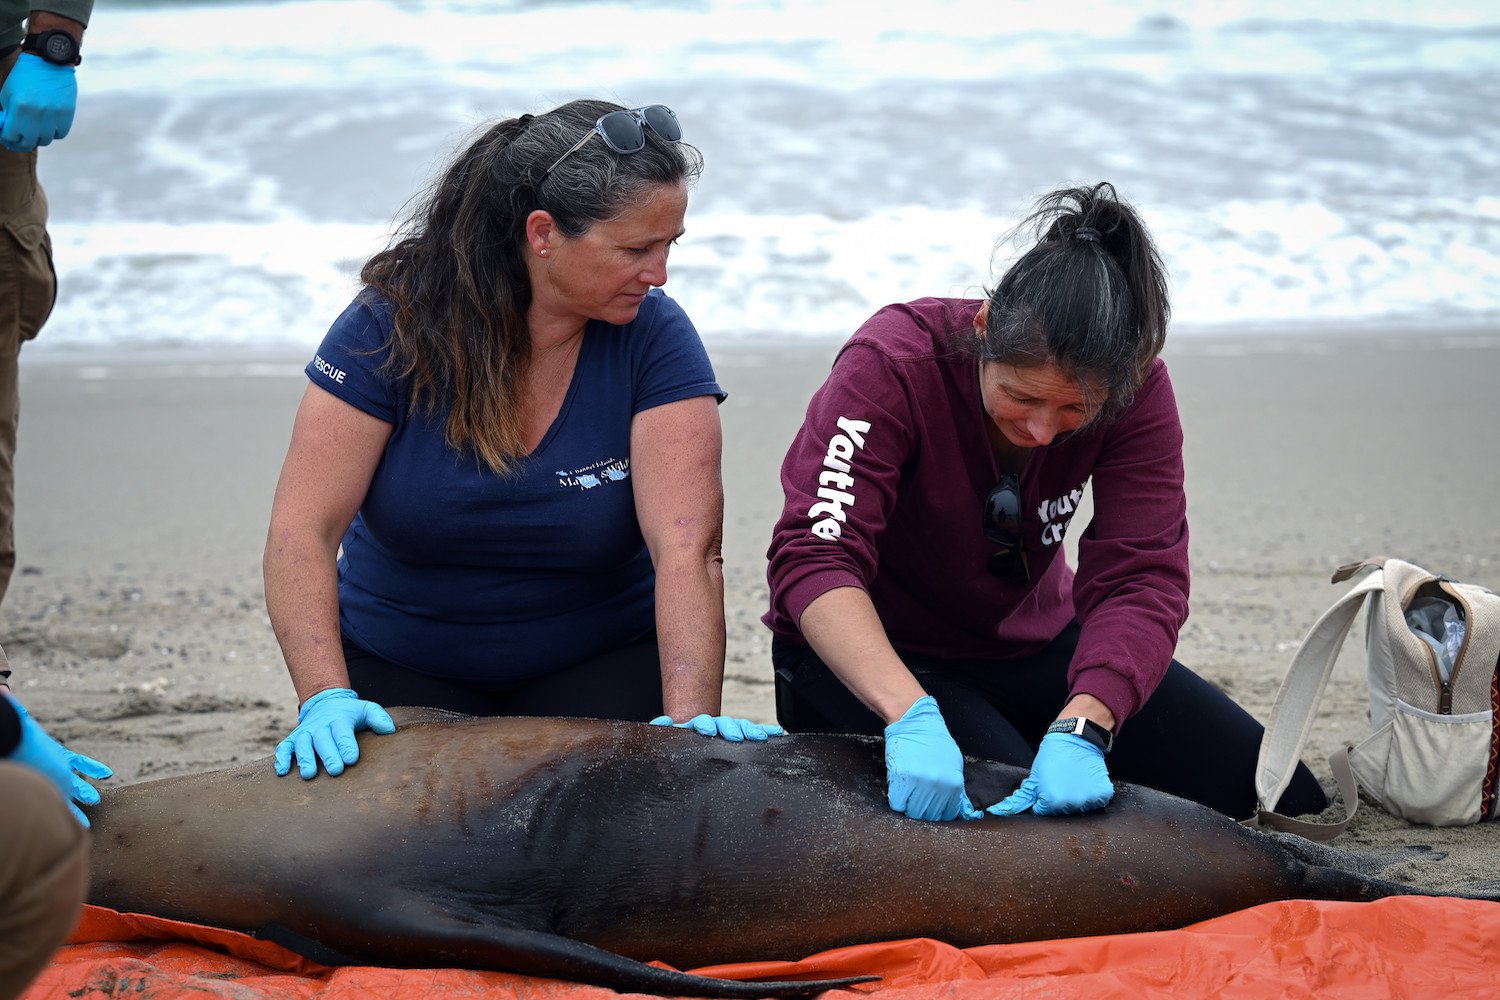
column 1405, row 946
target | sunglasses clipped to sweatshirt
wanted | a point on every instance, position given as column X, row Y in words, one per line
column 625, row 131
column 1002, row 525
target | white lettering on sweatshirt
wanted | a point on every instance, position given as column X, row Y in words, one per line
column 1056, row 515
column 835, row 485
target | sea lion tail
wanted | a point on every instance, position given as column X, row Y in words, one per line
column 1360, row 876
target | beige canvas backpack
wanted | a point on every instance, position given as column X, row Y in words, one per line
column 1434, row 746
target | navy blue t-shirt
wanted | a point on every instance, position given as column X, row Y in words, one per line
column 451, row 570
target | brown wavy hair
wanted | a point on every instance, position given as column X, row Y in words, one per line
column 456, row 272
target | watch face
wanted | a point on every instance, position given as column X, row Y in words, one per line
column 59, row 48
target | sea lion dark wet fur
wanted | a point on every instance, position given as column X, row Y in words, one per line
column 554, row 847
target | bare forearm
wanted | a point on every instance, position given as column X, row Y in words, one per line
column 1089, row 707
column 690, row 635
column 844, row 629
column 303, row 603
column 45, row 20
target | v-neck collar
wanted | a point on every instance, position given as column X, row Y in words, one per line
column 579, row 364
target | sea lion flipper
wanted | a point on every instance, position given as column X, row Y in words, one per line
column 545, row 954
column 303, row 945
column 427, row 936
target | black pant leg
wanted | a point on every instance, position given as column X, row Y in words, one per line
column 624, row 683
column 388, row 684
column 811, row 699
column 1194, row 741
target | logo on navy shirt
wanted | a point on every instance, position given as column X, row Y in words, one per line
column 606, row 470
column 335, row 373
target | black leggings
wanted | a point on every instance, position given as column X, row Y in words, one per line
column 1190, row 739
column 624, row 683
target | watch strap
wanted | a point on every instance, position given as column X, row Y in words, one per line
column 1087, row 728
column 38, row 44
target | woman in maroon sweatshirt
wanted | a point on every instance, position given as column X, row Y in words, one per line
column 918, row 584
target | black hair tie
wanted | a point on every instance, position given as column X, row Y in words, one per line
column 1086, row 233
column 526, row 121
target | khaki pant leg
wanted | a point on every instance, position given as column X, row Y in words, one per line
column 44, row 874
column 28, row 288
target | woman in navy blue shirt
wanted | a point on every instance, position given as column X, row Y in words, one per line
column 503, row 492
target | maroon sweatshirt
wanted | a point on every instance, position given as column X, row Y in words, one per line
column 884, row 486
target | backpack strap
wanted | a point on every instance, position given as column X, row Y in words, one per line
column 1343, row 777
column 1492, row 766
column 1296, row 704
column 1349, row 571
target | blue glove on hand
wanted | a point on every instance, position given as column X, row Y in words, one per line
column 724, row 726
column 924, row 767
column 325, row 730
column 1068, row 776
column 37, row 103
column 58, row 764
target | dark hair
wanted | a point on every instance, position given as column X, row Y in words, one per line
column 456, row 271
column 1090, row 296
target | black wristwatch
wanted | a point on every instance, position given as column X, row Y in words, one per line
column 55, row 46
column 1088, row 729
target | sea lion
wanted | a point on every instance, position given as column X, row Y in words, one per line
column 556, row 846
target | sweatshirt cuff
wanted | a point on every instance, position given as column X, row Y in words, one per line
column 802, row 593
column 1109, row 686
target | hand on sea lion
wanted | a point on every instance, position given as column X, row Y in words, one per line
column 59, row 765
column 924, row 767
column 1068, row 776
column 326, row 725
column 724, row 726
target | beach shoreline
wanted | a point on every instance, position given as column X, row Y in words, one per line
column 136, row 620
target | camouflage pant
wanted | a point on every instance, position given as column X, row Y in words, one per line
column 28, row 288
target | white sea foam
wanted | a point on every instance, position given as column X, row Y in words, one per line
column 281, row 283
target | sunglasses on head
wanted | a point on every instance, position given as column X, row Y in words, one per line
column 1002, row 525
column 625, row 131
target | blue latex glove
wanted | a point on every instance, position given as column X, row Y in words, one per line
column 325, row 731
column 37, row 103
column 58, row 764
column 1068, row 776
column 724, row 726
column 924, row 767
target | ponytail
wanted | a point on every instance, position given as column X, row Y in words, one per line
column 1090, row 296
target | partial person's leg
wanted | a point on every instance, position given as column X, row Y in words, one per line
column 10, row 414
column 974, row 721
column 388, row 684
column 1194, row 741
column 623, row 683
column 811, row 699
column 28, row 288
column 43, row 876
column 1190, row 739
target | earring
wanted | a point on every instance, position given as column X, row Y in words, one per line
column 544, row 251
